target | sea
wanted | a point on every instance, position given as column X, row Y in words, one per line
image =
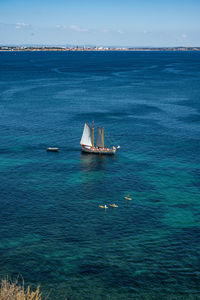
column 52, row 231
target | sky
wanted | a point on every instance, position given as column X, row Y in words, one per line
column 124, row 23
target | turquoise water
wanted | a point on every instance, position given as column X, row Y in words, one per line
column 52, row 231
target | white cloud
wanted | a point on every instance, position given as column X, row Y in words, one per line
column 105, row 30
column 184, row 36
column 21, row 25
column 76, row 28
column 72, row 27
column 120, row 31
column 61, row 27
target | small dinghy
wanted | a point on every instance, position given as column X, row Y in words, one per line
column 127, row 197
column 113, row 205
column 103, row 206
column 52, row 149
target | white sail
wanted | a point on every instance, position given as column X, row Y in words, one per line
column 99, row 138
column 86, row 136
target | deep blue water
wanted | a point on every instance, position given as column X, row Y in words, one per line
column 52, row 231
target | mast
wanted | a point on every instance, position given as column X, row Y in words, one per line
column 102, row 132
column 92, row 133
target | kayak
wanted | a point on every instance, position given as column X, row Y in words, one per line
column 113, row 205
column 127, row 198
column 103, row 206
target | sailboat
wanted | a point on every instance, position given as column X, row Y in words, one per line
column 87, row 141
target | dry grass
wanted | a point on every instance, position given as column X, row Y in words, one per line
column 16, row 291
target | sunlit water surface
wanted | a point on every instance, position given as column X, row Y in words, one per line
column 52, row 230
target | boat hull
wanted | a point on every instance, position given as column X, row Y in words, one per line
column 100, row 151
column 52, row 149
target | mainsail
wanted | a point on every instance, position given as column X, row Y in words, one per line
column 100, row 138
column 86, row 136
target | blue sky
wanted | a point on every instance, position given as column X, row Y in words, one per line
column 100, row 22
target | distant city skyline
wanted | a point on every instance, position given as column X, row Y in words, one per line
column 127, row 23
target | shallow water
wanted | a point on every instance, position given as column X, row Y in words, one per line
column 52, row 231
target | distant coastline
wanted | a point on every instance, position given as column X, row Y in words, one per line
column 78, row 48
